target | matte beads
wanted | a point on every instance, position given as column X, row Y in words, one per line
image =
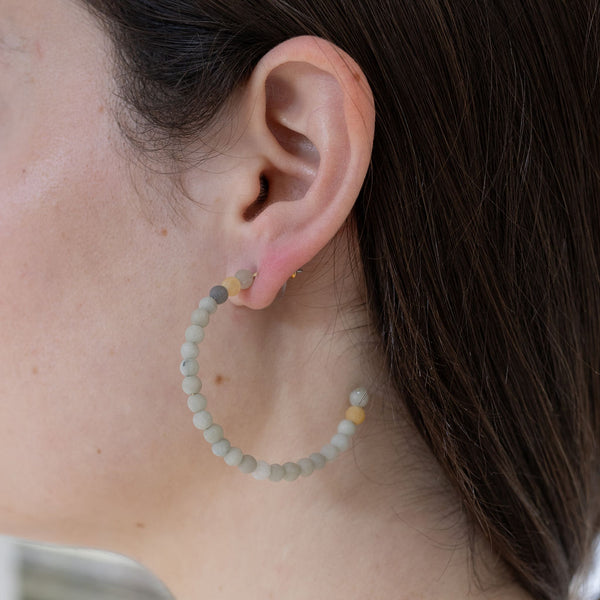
column 359, row 397
column 189, row 350
column 208, row 304
column 234, row 457
column 219, row 294
column 213, row 433
column 347, row 427
column 233, row 285
column 262, row 471
column 356, row 414
column 306, row 466
column 292, row 471
column 194, row 333
column 329, row 451
column 245, row 277
column 277, row 472
column 248, row 464
column 191, row 385
column 203, row 419
column 341, row 441
column 188, row 366
column 200, row 317
column 196, row 402
column 318, row 460
column 221, row 448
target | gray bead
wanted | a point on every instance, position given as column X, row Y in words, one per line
column 292, row 471
column 306, row 466
column 248, row 464
column 341, row 441
column 213, row 434
column 188, row 367
column 277, row 473
column 221, row 448
column 329, row 451
column 191, row 385
column 200, row 317
column 203, row 419
column 219, row 294
column 318, row 460
column 189, row 350
column 234, row 457
column 194, row 333
column 196, row 402
column 208, row 304
column 346, row 427
column 245, row 278
column 359, row 397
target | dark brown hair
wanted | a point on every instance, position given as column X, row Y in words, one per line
column 478, row 227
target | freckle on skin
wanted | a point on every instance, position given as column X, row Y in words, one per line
column 101, row 109
column 112, row 351
column 99, row 451
column 220, row 379
column 140, row 525
column 34, row 370
column 163, row 232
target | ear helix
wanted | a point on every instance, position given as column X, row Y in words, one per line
column 213, row 433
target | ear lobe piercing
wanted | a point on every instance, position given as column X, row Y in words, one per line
column 213, row 433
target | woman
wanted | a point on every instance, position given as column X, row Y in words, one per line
column 426, row 171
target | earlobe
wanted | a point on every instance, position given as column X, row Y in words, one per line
column 311, row 122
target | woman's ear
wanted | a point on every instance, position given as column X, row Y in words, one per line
column 310, row 121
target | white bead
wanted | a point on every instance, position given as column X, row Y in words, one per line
column 318, row 460
column 196, row 402
column 203, row 419
column 221, row 448
column 200, row 317
column 292, row 471
column 234, row 457
column 306, row 466
column 188, row 367
column 359, row 397
column 347, row 427
column 191, row 385
column 208, row 304
column 189, row 350
column 341, row 441
column 263, row 470
column 248, row 464
column 194, row 333
column 277, row 473
column 329, row 451
column 213, row 434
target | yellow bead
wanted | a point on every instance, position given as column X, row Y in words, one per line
column 233, row 285
column 356, row 414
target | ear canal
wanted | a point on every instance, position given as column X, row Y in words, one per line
column 260, row 203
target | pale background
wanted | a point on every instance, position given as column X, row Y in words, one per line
column 40, row 572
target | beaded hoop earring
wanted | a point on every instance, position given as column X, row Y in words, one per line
column 213, row 433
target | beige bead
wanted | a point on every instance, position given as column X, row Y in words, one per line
column 233, row 285
column 356, row 414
